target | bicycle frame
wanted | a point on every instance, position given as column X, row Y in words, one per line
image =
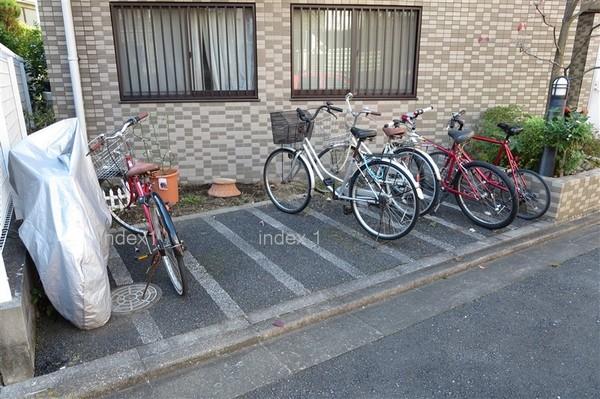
column 504, row 151
column 457, row 156
column 138, row 192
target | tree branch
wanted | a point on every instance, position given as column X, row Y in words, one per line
column 524, row 49
column 537, row 8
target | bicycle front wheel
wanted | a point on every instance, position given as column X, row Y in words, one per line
column 168, row 242
column 424, row 174
column 384, row 200
column 287, row 180
column 534, row 194
column 486, row 195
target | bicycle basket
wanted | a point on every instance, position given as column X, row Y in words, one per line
column 108, row 158
column 288, row 128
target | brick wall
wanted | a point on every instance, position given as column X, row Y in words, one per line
column 232, row 139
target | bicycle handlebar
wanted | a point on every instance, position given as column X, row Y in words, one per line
column 305, row 116
column 351, row 111
column 99, row 141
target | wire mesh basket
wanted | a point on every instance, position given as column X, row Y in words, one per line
column 288, row 128
column 108, row 157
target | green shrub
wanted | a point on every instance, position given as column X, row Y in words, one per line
column 488, row 126
column 568, row 136
column 528, row 146
column 27, row 42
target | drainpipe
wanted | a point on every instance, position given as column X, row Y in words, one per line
column 73, row 64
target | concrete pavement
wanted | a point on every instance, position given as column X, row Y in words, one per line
column 526, row 325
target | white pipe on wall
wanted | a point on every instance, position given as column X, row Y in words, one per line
column 73, row 64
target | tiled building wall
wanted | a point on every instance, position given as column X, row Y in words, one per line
column 232, row 139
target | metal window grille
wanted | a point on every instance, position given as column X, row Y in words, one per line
column 185, row 51
column 371, row 51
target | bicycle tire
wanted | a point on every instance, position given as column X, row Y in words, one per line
column 167, row 237
column 427, row 179
column 501, row 178
column 287, row 154
column 525, row 194
column 406, row 180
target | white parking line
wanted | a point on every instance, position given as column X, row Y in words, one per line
column 450, row 225
column 227, row 305
column 322, row 252
column 288, row 281
column 142, row 320
column 419, row 235
column 361, row 237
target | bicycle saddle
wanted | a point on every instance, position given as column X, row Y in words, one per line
column 394, row 131
column 142, row 167
column 510, row 130
column 460, row 136
column 363, row 133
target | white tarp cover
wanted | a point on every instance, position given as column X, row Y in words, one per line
column 65, row 221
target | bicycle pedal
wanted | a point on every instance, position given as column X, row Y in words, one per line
column 142, row 257
column 347, row 210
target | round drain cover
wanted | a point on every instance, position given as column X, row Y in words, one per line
column 128, row 298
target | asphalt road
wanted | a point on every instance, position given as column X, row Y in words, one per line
column 538, row 338
column 524, row 326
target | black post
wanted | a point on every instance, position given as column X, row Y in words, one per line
column 556, row 109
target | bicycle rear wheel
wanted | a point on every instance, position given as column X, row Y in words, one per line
column 486, row 195
column 384, row 200
column 424, row 174
column 534, row 194
column 169, row 243
column 118, row 192
column 287, row 180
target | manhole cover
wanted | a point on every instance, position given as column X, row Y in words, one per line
column 128, row 299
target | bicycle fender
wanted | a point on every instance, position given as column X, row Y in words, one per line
column 169, row 223
column 432, row 163
column 311, row 172
column 410, row 176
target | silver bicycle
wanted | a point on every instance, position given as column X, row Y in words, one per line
column 382, row 194
column 400, row 146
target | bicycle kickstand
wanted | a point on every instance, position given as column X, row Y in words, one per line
column 150, row 272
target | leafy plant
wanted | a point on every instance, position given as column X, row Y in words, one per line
column 27, row 42
column 529, row 144
column 568, row 136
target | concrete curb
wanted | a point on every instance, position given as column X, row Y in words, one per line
column 126, row 368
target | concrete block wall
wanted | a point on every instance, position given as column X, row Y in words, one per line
column 232, row 139
column 574, row 196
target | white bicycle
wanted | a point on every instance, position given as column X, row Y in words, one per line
column 401, row 146
column 383, row 195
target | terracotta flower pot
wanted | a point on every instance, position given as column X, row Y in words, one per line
column 166, row 183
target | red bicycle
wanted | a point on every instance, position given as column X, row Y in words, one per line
column 533, row 192
column 121, row 174
column 484, row 193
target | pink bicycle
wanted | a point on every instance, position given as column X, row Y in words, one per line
column 119, row 172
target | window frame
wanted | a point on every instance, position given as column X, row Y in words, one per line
column 217, row 96
column 339, row 94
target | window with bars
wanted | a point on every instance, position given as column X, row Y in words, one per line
column 185, row 51
column 369, row 50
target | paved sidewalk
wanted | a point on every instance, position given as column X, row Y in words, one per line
column 524, row 326
column 218, row 288
column 249, row 265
